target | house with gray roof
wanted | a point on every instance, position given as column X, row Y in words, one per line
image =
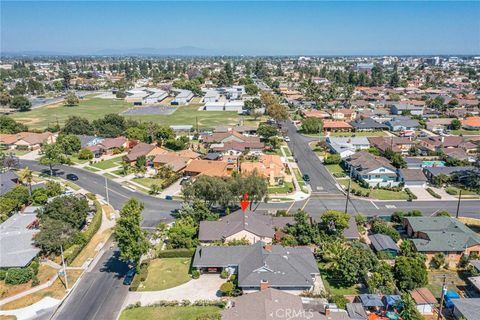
column 368, row 124
column 8, row 181
column 372, row 170
column 402, row 124
column 468, row 309
column 250, row 226
column 433, row 172
column 401, row 108
column 346, row 146
column 383, row 243
column 370, row 301
column 16, row 240
column 431, row 235
column 291, row 269
column 356, row 311
column 412, row 178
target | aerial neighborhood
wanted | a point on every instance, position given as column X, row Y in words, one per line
column 299, row 187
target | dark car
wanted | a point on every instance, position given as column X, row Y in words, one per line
column 129, row 277
column 306, row 178
column 72, row 177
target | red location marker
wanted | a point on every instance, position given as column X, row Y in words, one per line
column 244, row 203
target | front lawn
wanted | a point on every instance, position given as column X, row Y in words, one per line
column 285, row 188
column 166, row 273
column 45, row 273
column 107, row 164
column 148, row 182
column 464, row 132
column 379, row 194
column 334, row 168
column 167, row 313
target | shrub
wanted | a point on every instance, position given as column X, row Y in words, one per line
column 442, row 213
column 35, row 266
column 18, row 275
column 411, row 195
column 434, row 194
column 451, row 191
column 176, row 253
column 224, row 274
column 382, row 227
column 339, row 174
column 85, row 154
column 91, row 196
column 226, row 288
column 438, row 260
column 3, row 273
column 142, row 273
column 195, row 274
column 35, row 281
column 332, row 159
column 340, row 301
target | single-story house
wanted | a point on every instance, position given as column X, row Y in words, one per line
column 16, row 240
column 291, row 269
column 433, row 172
column 183, row 97
column 402, row 124
column 438, row 124
column 32, row 140
column 370, row 301
column 356, row 311
column 209, row 168
column 412, row 178
column 372, row 170
column 471, row 123
column 271, row 167
column 345, row 147
column 332, row 125
column 175, row 162
column 8, row 181
column 368, row 124
column 344, row 114
column 110, row 144
column 383, row 243
column 401, row 108
column 424, row 300
column 87, row 141
column 447, row 235
column 142, row 149
column 250, row 226
column 466, row 309
column 400, row 145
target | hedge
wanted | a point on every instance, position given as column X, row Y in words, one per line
column 411, row 195
column 72, row 252
column 434, row 194
column 176, row 253
column 18, row 275
column 140, row 276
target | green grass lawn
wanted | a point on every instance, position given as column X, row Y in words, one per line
column 166, row 273
column 92, row 169
column 287, row 151
column 167, row 313
column 334, row 168
column 465, row 132
column 107, row 164
column 147, row 182
column 189, row 115
column 76, row 160
column 379, row 194
column 16, row 152
column 285, row 188
column 454, row 281
column 109, row 175
column 90, row 108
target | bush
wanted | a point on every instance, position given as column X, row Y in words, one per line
column 434, row 194
column 176, row 253
column 224, row 274
column 340, row 301
column 35, row 281
column 226, row 288
column 91, row 196
column 411, row 195
column 85, row 154
column 195, row 274
column 35, row 266
column 18, row 275
column 142, row 273
column 382, row 227
column 332, row 159
column 451, row 191
column 3, row 273
column 339, row 175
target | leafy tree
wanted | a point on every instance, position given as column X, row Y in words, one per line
column 8, row 125
column 334, row 221
column 136, row 133
column 332, row 159
column 277, row 112
column 198, row 211
column 177, row 144
column 77, row 125
column 381, row 281
column 407, row 249
column 354, row 264
column 20, row 103
column 52, row 155
column 455, row 124
column 163, row 134
column 54, row 234
column 380, row 226
column 252, row 184
column 26, row 177
column 409, row 309
column 130, row 237
column 410, row 272
column 302, row 230
column 69, row 209
column 251, row 89
column 54, row 188
column 69, row 143
column 85, row 154
column 111, row 125
column 183, row 233
column 438, row 260
column 211, row 190
column 266, row 131
column 442, row 213
column 39, row 196
column 312, row 125
column 141, row 162
column 71, row 99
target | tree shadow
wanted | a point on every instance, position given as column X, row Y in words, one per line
column 115, row 266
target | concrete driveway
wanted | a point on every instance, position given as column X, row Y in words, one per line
column 204, row 288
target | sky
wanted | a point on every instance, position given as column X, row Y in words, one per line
column 243, row 27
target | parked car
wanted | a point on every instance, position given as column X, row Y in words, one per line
column 129, row 276
column 72, row 177
column 287, row 139
column 168, row 198
column 306, row 178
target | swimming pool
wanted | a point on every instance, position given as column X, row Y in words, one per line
column 433, row 163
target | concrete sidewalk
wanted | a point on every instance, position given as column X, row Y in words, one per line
column 34, row 311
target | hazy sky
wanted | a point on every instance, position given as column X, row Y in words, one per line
column 244, row 27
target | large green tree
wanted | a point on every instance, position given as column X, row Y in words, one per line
column 410, row 272
column 130, row 237
column 20, row 103
column 52, row 155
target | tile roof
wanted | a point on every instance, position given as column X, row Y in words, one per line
column 141, row 149
column 208, row 168
column 471, row 122
column 423, row 296
column 331, row 124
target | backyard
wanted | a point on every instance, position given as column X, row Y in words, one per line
column 166, row 273
column 164, row 313
column 454, row 281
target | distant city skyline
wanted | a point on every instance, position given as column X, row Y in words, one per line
column 241, row 28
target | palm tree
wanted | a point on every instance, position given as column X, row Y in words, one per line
column 26, row 176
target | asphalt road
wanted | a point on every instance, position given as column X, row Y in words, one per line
column 100, row 293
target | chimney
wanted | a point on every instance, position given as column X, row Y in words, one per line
column 268, row 247
column 263, row 285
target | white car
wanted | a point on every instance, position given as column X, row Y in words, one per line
column 287, row 139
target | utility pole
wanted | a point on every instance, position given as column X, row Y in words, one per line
column 458, row 204
column 348, row 190
column 64, row 269
column 442, row 297
column 106, row 190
